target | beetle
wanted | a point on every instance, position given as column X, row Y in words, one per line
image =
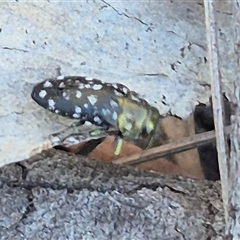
column 101, row 104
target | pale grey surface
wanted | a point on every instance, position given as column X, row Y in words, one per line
column 154, row 47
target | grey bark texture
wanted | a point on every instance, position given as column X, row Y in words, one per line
column 56, row 195
column 233, row 228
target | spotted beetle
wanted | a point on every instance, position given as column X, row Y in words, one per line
column 102, row 104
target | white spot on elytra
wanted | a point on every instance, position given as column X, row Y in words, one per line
column 78, row 94
column 64, row 94
column 97, row 87
column 97, row 119
column 113, row 104
column 115, row 86
column 78, row 109
column 89, row 78
column 51, row 104
column 57, row 111
column 62, row 85
column 61, row 77
column 114, row 116
column 47, row 84
column 117, row 93
column 85, row 105
column 92, row 99
column 135, row 98
column 81, row 86
column 105, row 111
column 76, row 115
column 125, row 90
column 87, row 123
column 42, row 94
column 88, row 86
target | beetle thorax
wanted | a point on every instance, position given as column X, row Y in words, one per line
column 135, row 120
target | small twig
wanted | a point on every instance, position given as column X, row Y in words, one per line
column 217, row 100
column 171, row 148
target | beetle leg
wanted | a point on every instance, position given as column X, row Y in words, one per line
column 118, row 145
column 77, row 133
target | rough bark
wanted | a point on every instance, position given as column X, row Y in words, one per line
column 233, row 229
column 56, row 195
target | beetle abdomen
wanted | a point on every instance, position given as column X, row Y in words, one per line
column 76, row 97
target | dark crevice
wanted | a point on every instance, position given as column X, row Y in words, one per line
column 58, row 186
column 211, row 231
column 174, row 190
column 180, row 232
column 152, row 186
column 90, row 146
column 189, row 43
column 173, row 67
column 14, row 49
column 24, row 170
column 212, row 209
column 227, row 13
column 152, row 74
column 204, row 121
column 124, row 14
column 30, row 207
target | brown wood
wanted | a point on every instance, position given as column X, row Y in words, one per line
column 171, row 148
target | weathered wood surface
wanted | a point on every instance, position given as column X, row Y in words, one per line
column 60, row 196
column 157, row 49
column 217, row 97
